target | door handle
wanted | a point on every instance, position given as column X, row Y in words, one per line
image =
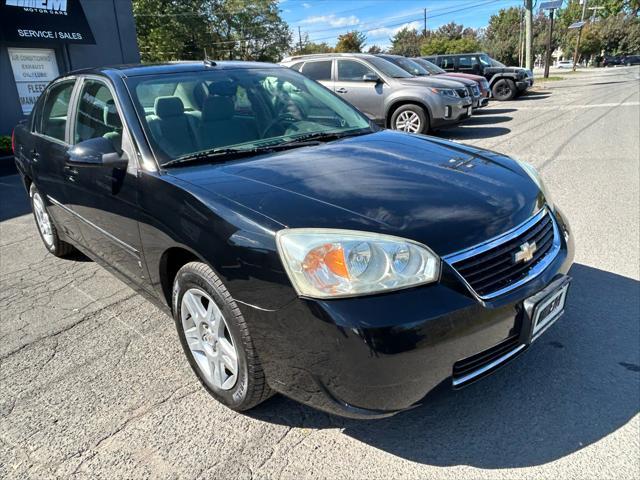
column 35, row 156
column 341, row 90
column 70, row 173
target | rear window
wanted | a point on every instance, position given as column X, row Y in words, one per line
column 317, row 70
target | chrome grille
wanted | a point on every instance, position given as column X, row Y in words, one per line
column 481, row 364
column 494, row 267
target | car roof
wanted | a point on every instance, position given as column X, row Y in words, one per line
column 325, row 55
column 139, row 69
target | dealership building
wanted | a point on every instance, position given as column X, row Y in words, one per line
column 41, row 39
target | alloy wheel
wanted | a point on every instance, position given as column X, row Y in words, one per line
column 408, row 121
column 42, row 219
column 209, row 339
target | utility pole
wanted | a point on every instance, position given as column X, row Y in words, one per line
column 300, row 39
column 424, row 30
column 575, row 53
column 521, row 42
column 528, row 24
column 549, row 35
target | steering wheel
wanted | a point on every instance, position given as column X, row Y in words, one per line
column 282, row 117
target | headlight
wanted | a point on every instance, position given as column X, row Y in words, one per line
column 447, row 92
column 535, row 176
column 328, row 263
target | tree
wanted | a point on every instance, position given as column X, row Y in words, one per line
column 406, row 42
column 176, row 30
column 374, row 49
column 309, row 47
column 351, row 42
column 502, row 35
column 451, row 31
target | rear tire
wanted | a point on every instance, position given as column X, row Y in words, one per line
column 216, row 340
column 46, row 227
column 504, row 89
column 410, row 118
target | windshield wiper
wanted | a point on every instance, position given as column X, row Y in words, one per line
column 323, row 136
column 224, row 154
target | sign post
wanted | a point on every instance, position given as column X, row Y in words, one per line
column 551, row 6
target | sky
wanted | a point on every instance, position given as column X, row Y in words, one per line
column 324, row 20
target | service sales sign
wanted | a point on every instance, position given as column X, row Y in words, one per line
column 33, row 69
column 44, row 21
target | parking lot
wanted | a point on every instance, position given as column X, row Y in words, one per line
column 94, row 383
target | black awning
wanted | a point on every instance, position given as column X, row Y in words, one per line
column 44, row 21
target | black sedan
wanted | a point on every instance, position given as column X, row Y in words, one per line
column 298, row 248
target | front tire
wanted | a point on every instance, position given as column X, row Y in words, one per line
column 46, row 227
column 216, row 340
column 410, row 118
column 504, row 89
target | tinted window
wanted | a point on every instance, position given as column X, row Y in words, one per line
column 409, row 65
column 446, row 62
column 296, row 66
column 464, row 62
column 97, row 115
column 54, row 111
column 388, row 68
column 317, row 70
column 352, row 71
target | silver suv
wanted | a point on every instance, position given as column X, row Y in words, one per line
column 387, row 94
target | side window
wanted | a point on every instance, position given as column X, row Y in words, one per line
column 97, row 115
column 352, row 71
column 296, row 66
column 55, row 109
column 464, row 62
column 447, row 62
column 317, row 70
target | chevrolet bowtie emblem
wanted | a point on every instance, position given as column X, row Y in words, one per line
column 526, row 252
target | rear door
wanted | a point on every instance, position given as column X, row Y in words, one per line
column 320, row 71
column 106, row 200
column 368, row 97
column 468, row 64
column 47, row 154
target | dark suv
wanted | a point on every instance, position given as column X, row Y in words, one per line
column 506, row 82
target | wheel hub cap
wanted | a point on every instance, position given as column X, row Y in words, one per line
column 408, row 122
column 42, row 219
column 209, row 339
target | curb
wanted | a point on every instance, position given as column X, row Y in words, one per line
column 7, row 166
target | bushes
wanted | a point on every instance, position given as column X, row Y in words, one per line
column 5, row 145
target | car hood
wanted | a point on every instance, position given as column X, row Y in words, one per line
column 506, row 70
column 464, row 80
column 442, row 194
column 468, row 76
column 435, row 82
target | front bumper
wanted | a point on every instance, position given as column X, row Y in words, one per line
column 451, row 112
column 371, row 357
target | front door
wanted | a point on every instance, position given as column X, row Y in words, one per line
column 106, row 200
column 366, row 96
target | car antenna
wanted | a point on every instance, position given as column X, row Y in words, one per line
column 207, row 61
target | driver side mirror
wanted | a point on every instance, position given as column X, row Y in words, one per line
column 96, row 152
column 370, row 77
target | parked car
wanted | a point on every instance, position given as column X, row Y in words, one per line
column 385, row 93
column 611, row 61
column 473, row 89
column 506, row 82
column 433, row 69
column 298, row 248
column 564, row 64
column 630, row 60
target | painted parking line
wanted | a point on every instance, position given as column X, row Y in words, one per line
column 577, row 107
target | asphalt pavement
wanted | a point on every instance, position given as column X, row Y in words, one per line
column 93, row 382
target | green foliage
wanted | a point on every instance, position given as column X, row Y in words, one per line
column 185, row 29
column 5, row 145
column 406, row 42
column 435, row 45
column 503, row 35
column 309, row 47
column 351, row 42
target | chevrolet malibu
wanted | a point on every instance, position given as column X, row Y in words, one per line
column 298, row 248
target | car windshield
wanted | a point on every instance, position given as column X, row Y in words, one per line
column 409, row 65
column 388, row 68
column 432, row 68
column 186, row 114
column 487, row 61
